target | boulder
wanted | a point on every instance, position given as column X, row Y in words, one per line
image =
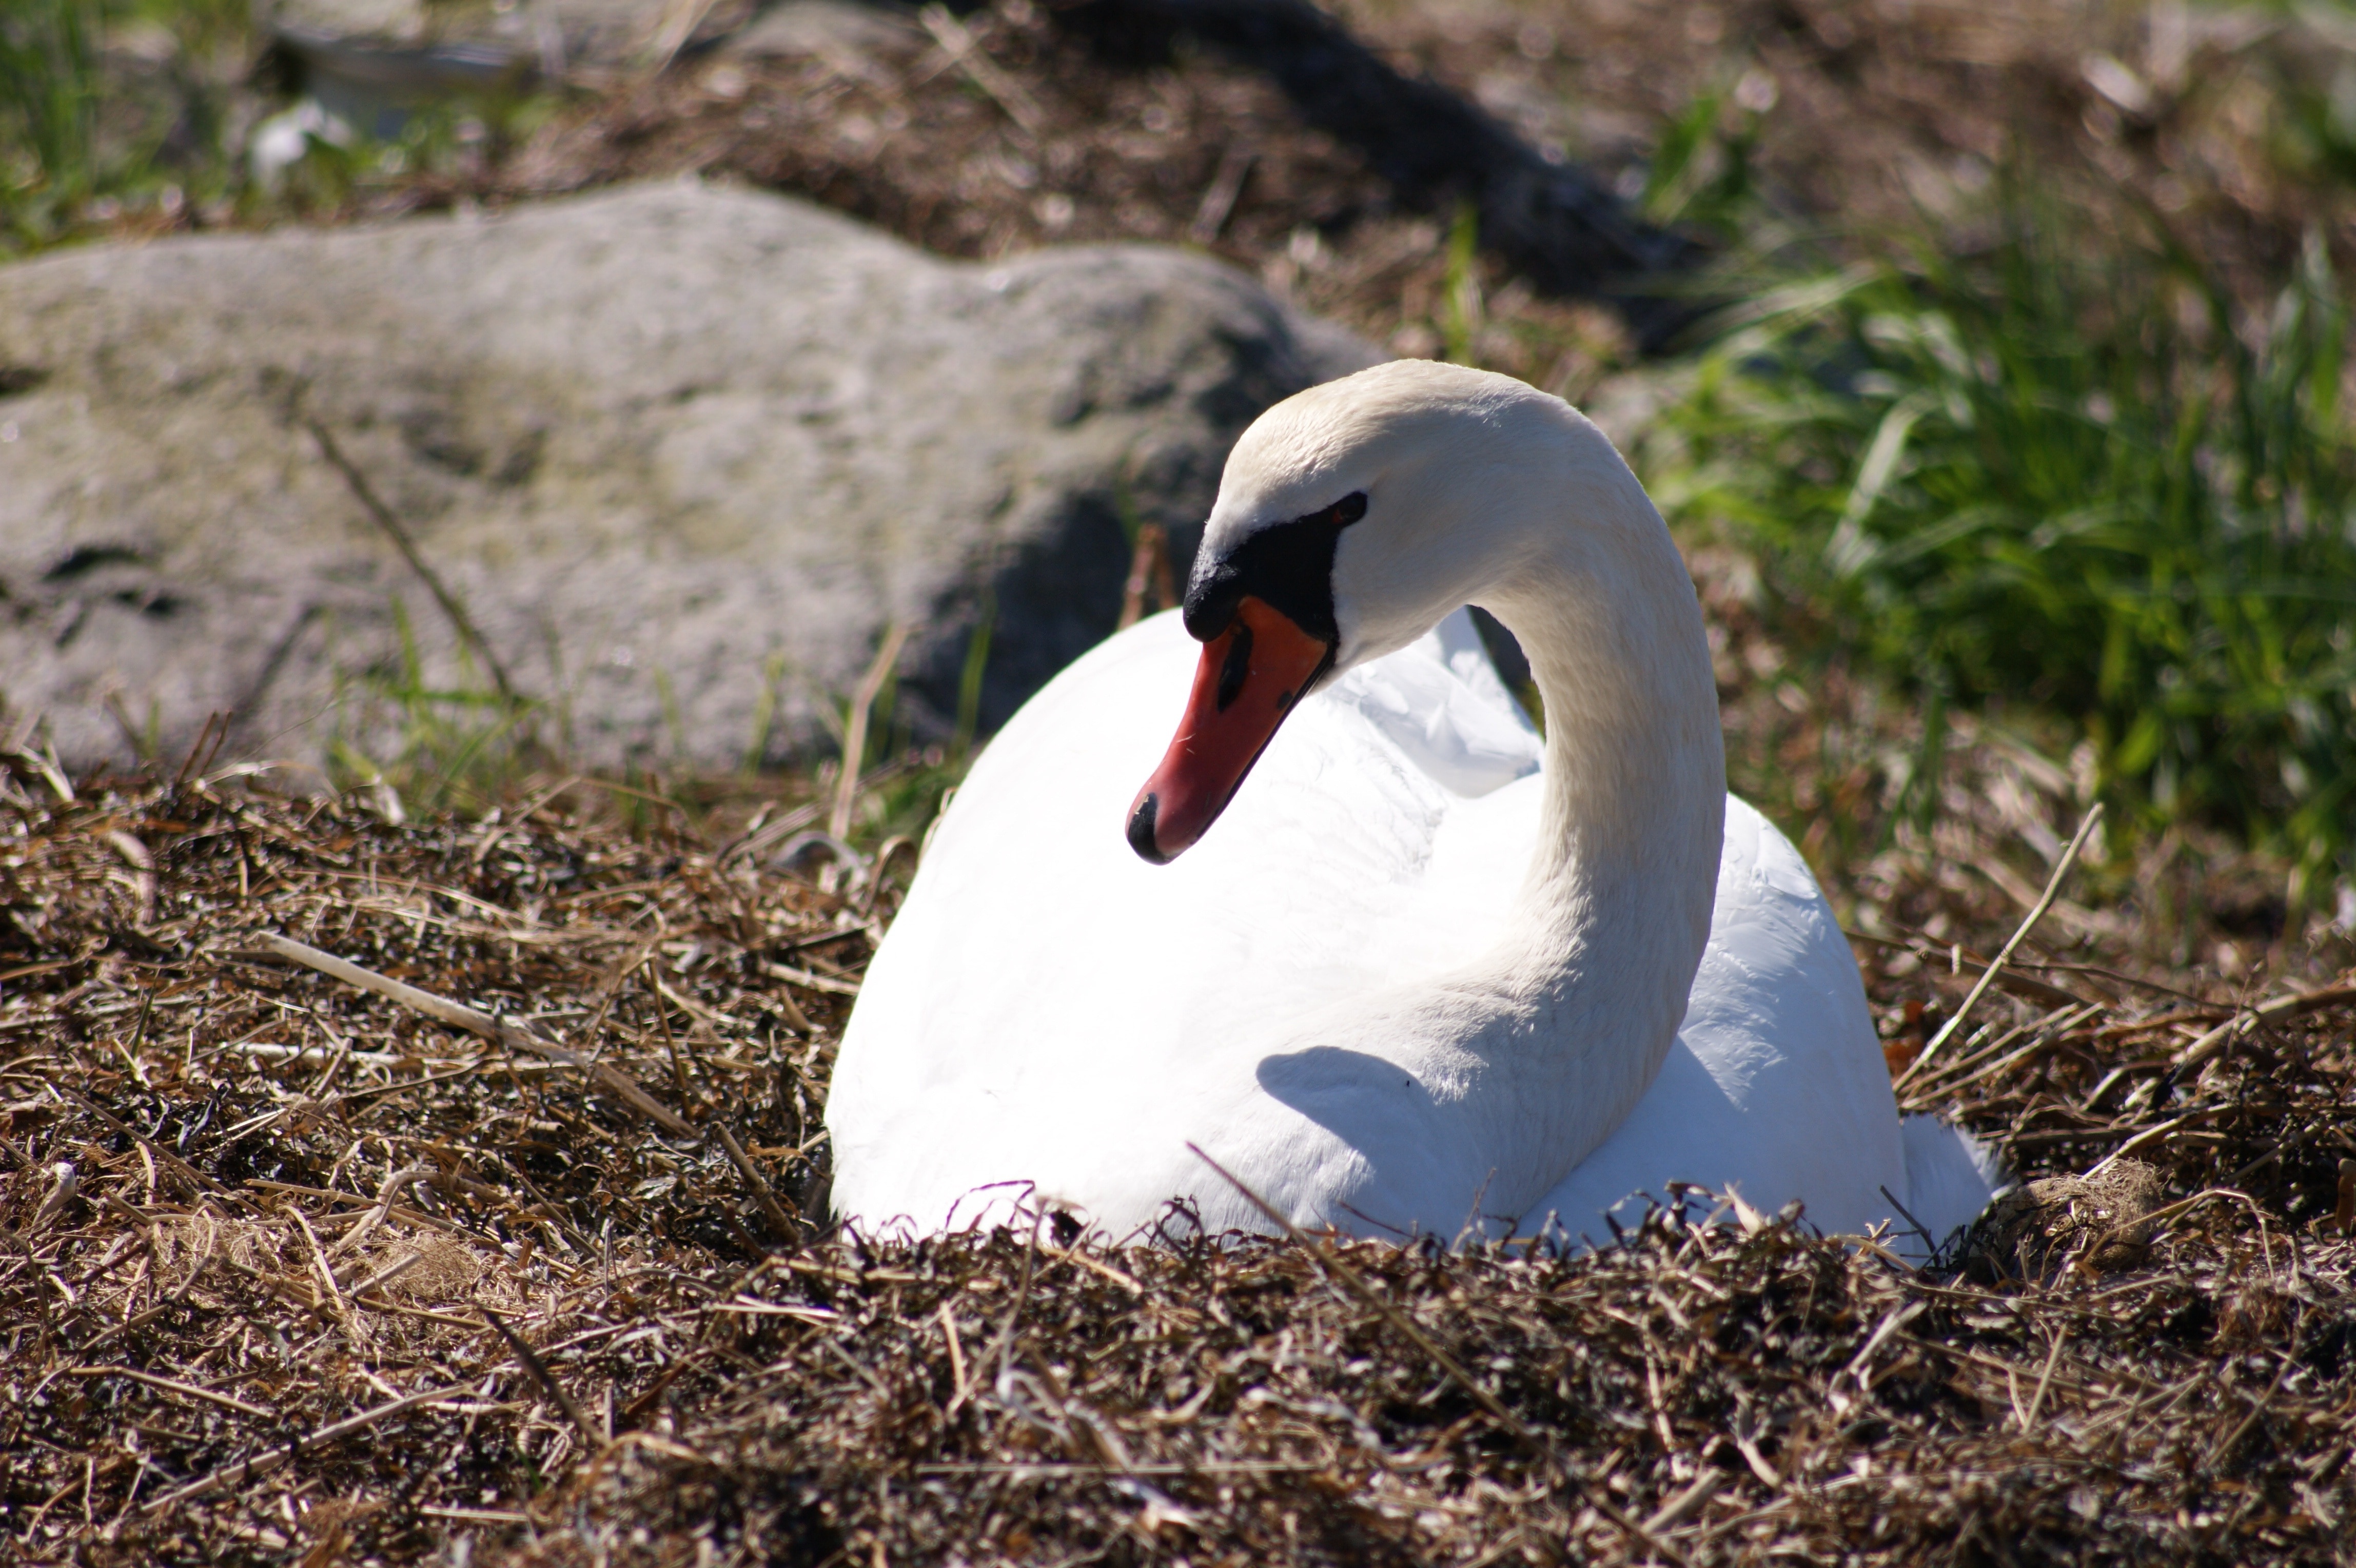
column 369, row 63
column 665, row 460
column 553, row 34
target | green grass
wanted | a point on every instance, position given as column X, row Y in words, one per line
column 119, row 110
column 108, row 104
column 1699, row 177
column 1460, row 292
column 463, row 746
column 49, row 104
column 2064, row 478
column 440, row 138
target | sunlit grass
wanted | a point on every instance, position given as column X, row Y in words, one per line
column 110, row 104
column 2062, row 478
column 49, row 107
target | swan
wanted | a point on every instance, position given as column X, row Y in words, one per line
column 1430, row 971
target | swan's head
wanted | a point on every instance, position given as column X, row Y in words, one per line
column 1351, row 519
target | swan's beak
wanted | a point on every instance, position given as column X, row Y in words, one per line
column 1249, row 679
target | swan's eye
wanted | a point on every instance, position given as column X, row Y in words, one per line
column 1290, row 566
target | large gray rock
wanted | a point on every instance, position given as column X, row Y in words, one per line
column 679, row 454
column 562, row 32
column 370, row 62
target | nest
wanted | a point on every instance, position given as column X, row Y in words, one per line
column 510, row 1250
column 2101, row 1221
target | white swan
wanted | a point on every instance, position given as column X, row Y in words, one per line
column 1428, row 969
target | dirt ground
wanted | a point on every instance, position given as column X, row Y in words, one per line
column 293, row 1270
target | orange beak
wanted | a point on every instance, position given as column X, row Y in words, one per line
column 1250, row 677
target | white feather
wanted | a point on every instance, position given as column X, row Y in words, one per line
column 1426, row 971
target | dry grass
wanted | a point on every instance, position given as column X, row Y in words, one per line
column 254, row 1216
column 250, row 1324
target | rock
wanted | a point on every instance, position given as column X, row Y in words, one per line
column 601, row 32
column 368, row 63
column 679, row 455
column 555, row 36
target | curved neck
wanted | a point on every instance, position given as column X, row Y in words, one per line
column 1489, row 1083
column 1571, row 1018
column 1635, row 763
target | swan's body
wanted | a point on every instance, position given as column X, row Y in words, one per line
column 1427, row 970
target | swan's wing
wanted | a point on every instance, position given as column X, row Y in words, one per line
column 1456, row 642
column 1044, row 992
column 1440, row 703
column 1950, row 1177
column 1776, row 1086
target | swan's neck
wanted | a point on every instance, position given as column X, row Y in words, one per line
column 1572, row 1016
column 1635, row 765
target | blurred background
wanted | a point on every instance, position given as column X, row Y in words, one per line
column 1988, row 359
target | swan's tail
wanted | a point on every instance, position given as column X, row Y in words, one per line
column 1950, row 1177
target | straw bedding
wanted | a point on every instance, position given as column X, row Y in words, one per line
column 297, row 1271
